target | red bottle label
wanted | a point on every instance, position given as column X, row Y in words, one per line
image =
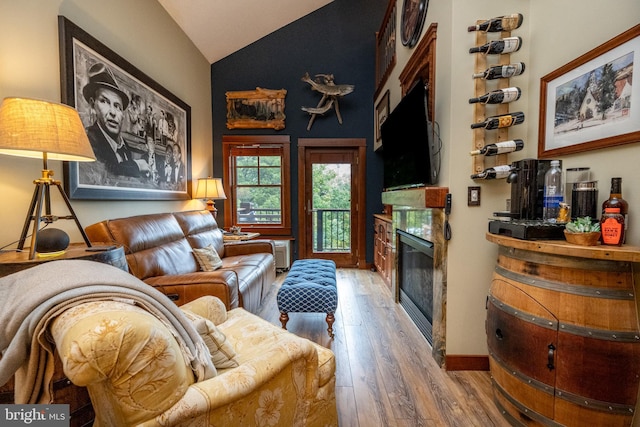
column 611, row 231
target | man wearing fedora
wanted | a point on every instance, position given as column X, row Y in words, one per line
column 109, row 103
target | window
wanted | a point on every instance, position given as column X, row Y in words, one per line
column 257, row 171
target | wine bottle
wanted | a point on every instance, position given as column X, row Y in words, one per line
column 496, row 172
column 500, row 121
column 500, row 96
column 500, row 23
column 500, row 148
column 501, row 71
column 495, row 47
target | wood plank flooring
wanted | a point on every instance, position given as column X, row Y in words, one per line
column 385, row 374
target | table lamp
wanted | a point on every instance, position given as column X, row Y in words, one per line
column 40, row 129
column 210, row 189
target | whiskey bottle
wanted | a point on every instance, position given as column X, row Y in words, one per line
column 500, row 148
column 500, row 96
column 501, row 71
column 495, row 47
column 612, row 225
column 500, row 23
column 615, row 200
column 496, row 172
column 500, row 121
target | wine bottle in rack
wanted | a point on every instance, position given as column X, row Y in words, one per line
column 501, row 71
column 499, row 148
column 496, row 172
column 500, row 23
column 496, row 47
column 500, row 96
column 500, row 121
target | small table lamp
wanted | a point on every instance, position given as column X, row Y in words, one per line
column 210, row 189
column 41, row 129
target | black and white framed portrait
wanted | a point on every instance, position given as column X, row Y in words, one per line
column 139, row 131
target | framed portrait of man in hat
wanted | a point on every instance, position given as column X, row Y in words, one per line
column 139, row 131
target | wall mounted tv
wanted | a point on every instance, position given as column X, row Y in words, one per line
column 409, row 151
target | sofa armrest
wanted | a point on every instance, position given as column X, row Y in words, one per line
column 190, row 286
column 133, row 373
column 278, row 382
column 249, row 247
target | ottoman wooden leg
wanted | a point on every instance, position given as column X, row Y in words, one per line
column 330, row 320
column 284, row 318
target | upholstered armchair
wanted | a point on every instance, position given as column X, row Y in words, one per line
column 137, row 373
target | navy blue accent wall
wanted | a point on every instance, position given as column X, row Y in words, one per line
column 337, row 39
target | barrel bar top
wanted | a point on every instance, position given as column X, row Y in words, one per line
column 624, row 253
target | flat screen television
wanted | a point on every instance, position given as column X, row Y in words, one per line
column 409, row 151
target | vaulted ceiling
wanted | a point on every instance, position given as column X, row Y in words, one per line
column 220, row 27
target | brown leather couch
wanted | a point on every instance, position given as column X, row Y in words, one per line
column 158, row 250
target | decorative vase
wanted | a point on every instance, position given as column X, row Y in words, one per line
column 583, row 239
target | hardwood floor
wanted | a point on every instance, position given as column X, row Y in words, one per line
column 385, row 374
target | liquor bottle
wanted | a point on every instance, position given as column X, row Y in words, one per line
column 552, row 192
column 500, row 23
column 496, row 172
column 500, row 96
column 500, row 148
column 501, row 71
column 612, row 226
column 495, row 47
column 615, row 200
column 500, row 121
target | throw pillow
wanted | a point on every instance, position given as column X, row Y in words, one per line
column 222, row 353
column 208, row 258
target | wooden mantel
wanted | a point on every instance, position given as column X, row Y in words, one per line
column 419, row 198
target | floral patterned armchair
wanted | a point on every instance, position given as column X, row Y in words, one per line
column 136, row 372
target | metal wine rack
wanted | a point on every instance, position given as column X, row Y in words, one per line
column 480, row 136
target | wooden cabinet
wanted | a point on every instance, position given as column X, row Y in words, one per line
column 382, row 247
column 562, row 333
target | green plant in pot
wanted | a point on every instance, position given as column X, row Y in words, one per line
column 582, row 231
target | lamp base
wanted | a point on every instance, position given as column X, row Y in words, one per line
column 211, row 207
column 42, row 196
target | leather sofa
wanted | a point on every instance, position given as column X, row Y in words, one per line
column 159, row 251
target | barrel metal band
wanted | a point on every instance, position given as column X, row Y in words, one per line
column 524, row 409
column 585, row 291
column 523, row 315
column 613, row 408
column 565, row 261
column 525, row 379
column 600, row 334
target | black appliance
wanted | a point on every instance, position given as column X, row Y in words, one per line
column 527, row 188
column 527, row 194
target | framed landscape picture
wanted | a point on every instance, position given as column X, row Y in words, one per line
column 591, row 102
column 256, row 109
column 139, row 131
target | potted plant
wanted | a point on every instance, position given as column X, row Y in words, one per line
column 582, row 231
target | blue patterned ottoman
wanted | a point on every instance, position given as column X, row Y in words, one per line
column 310, row 287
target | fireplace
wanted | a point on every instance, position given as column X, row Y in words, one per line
column 415, row 280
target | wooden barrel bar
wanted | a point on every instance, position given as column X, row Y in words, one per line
column 563, row 334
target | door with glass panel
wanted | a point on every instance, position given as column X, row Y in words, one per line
column 330, row 220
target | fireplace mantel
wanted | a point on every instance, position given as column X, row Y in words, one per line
column 419, row 198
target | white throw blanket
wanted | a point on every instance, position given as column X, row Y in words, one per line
column 31, row 299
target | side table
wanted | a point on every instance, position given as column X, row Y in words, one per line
column 231, row 237
column 64, row 391
column 12, row 262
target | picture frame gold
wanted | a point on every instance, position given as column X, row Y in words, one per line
column 256, row 109
column 609, row 114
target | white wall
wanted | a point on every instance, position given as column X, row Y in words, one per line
column 141, row 32
column 554, row 33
